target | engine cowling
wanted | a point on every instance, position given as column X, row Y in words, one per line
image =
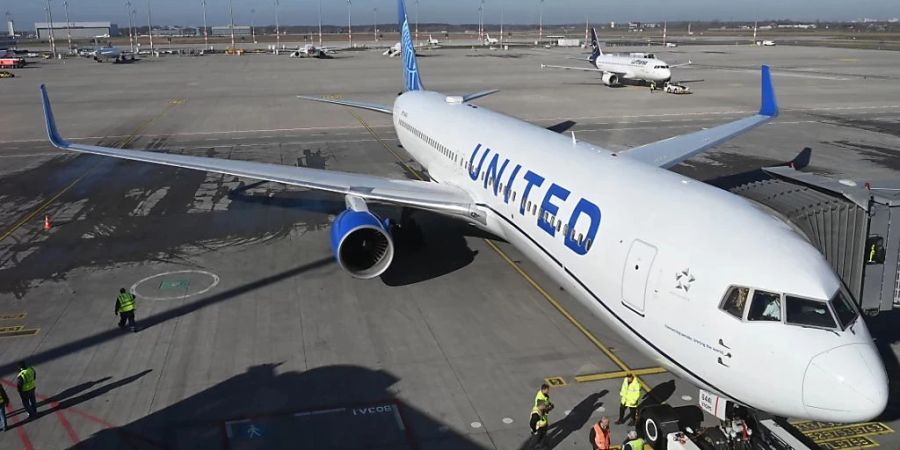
column 362, row 244
column 610, row 79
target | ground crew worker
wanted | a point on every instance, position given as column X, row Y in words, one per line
column 630, row 394
column 544, row 394
column 599, row 437
column 25, row 382
column 4, row 402
column 539, row 422
column 125, row 309
column 633, row 442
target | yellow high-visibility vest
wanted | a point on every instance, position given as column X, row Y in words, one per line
column 540, row 396
column 27, row 375
column 126, row 302
column 630, row 394
column 542, row 421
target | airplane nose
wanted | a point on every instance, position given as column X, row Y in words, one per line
column 846, row 384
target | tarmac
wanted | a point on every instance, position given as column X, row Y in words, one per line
column 252, row 337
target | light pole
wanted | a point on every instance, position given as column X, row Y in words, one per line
column 132, row 16
column 417, row 23
column 150, row 26
column 350, row 22
column 252, row 30
column 50, row 20
column 205, row 28
column 130, row 27
column 68, row 29
column 481, row 20
column 375, row 23
column 320, row 23
column 277, row 29
column 231, row 13
column 541, row 24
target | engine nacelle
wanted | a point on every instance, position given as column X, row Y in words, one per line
column 362, row 244
column 610, row 79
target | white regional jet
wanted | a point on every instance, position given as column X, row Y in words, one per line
column 717, row 290
column 618, row 68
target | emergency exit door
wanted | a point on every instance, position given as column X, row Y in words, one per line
column 636, row 274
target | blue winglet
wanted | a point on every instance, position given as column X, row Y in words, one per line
column 411, row 80
column 768, row 105
column 50, row 122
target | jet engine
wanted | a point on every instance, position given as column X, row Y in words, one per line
column 610, row 79
column 362, row 243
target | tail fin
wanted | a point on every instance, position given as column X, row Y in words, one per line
column 412, row 82
column 595, row 45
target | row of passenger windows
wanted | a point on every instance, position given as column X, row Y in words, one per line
column 764, row 306
column 449, row 154
column 528, row 206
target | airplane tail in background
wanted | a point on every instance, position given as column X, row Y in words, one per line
column 412, row 82
column 595, row 45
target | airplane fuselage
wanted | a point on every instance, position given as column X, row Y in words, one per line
column 635, row 68
column 654, row 253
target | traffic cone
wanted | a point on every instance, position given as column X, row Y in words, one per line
column 47, row 223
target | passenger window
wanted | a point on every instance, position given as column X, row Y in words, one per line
column 801, row 311
column 766, row 306
column 735, row 301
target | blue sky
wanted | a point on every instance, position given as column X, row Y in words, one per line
column 294, row 12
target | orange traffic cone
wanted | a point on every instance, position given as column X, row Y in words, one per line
column 47, row 223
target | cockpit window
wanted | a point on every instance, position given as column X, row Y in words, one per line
column 735, row 301
column 844, row 310
column 801, row 311
column 766, row 306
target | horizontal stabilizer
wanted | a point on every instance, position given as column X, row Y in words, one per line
column 353, row 104
column 470, row 97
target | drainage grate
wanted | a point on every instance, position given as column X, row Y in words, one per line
column 170, row 285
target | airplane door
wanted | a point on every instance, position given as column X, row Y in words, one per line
column 636, row 274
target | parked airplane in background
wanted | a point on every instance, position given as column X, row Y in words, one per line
column 616, row 69
column 110, row 53
column 311, row 51
column 720, row 292
column 488, row 40
column 432, row 41
column 394, row 50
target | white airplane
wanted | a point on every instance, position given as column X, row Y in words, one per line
column 311, row 51
column 488, row 40
column 394, row 50
column 717, row 290
column 616, row 68
column 106, row 53
column 432, row 41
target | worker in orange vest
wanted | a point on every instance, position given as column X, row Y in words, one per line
column 599, row 437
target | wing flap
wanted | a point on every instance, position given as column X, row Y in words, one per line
column 351, row 103
column 669, row 152
column 439, row 198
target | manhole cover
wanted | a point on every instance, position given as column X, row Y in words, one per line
column 168, row 285
column 175, row 285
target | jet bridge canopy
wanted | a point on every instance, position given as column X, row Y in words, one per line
column 856, row 227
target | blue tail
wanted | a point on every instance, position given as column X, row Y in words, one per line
column 595, row 45
column 412, row 82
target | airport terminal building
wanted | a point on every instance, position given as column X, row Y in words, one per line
column 239, row 30
column 79, row 30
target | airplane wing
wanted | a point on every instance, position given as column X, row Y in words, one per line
column 435, row 197
column 669, row 152
column 583, row 69
column 354, row 104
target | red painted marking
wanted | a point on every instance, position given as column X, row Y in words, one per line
column 23, row 436
column 73, row 436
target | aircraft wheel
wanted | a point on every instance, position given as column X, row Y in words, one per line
column 655, row 423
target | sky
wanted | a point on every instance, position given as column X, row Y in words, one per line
column 305, row 12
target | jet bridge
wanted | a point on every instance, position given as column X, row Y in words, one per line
column 856, row 227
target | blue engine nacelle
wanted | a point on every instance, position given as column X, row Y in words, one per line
column 361, row 243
